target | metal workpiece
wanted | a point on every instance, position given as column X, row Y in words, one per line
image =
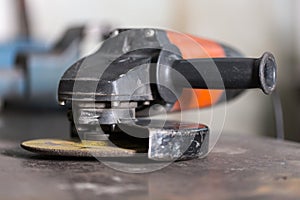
column 169, row 140
column 187, row 142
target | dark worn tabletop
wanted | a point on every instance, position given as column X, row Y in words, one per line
column 239, row 167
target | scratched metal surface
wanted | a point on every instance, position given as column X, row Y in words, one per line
column 240, row 167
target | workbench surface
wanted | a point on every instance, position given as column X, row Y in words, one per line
column 239, row 167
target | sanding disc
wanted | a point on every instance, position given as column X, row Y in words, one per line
column 82, row 148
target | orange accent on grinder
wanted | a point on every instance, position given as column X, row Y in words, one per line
column 194, row 47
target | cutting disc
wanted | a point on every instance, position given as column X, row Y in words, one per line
column 71, row 148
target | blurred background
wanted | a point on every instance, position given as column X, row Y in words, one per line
column 252, row 26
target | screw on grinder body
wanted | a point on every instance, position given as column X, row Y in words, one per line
column 110, row 93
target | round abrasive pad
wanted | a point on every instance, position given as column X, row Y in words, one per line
column 83, row 148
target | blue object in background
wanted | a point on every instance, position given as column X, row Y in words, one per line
column 45, row 69
column 9, row 50
column 30, row 71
